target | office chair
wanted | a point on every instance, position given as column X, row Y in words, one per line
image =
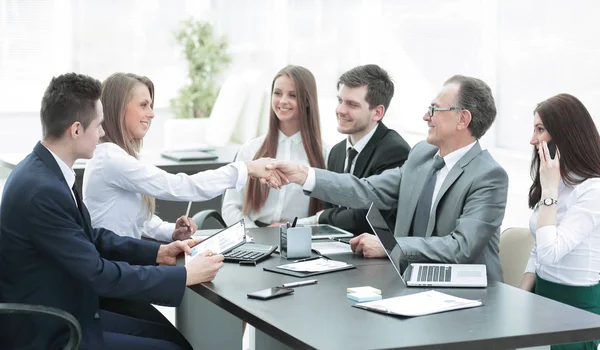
column 203, row 215
column 515, row 247
column 70, row 320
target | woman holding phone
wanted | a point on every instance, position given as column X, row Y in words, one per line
column 565, row 261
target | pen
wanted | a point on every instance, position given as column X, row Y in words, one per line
column 339, row 240
column 187, row 212
column 298, row 284
column 294, row 222
column 308, row 259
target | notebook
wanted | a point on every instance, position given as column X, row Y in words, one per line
column 231, row 242
column 421, row 275
column 419, row 304
column 188, row 155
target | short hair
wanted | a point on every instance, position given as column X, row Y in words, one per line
column 68, row 98
column 380, row 88
column 475, row 96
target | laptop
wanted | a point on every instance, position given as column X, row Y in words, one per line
column 188, row 155
column 232, row 243
column 424, row 275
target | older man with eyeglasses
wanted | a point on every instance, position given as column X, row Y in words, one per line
column 450, row 194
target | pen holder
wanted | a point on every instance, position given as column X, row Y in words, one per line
column 294, row 242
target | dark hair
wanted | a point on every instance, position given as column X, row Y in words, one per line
column 475, row 96
column 573, row 131
column 310, row 130
column 380, row 88
column 69, row 98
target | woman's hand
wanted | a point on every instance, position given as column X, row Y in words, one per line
column 184, row 228
column 549, row 171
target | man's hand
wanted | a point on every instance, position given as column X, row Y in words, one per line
column 167, row 253
column 273, row 177
column 294, row 172
column 184, row 228
column 367, row 245
column 203, row 268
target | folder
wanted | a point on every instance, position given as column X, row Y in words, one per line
column 311, row 267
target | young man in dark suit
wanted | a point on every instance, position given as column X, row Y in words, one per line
column 51, row 255
column 364, row 95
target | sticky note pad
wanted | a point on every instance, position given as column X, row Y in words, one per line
column 363, row 296
column 365, row 289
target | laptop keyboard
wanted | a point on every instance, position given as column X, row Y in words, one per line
column 249, row 252
column 432, row 273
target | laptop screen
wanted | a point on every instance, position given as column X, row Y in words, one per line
column 386, row 236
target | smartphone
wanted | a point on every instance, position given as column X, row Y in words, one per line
column 551, row 148
column 270, row 293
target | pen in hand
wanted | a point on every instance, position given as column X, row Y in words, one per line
column 187, row 212
column 295, row 221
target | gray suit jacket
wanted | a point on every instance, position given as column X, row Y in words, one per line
column 464, row 227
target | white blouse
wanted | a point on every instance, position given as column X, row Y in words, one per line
column 282, row 205
column 114, row 182
column 569, row 253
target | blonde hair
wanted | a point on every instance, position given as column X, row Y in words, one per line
column 117, row 91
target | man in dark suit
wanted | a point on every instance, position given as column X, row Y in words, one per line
column 364, row 95
column 51, row 255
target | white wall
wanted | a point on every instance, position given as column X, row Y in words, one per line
column 525, row 50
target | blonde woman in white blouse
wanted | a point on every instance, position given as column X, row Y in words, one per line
column 294, row 134
column 565, row 195
column 120, row 191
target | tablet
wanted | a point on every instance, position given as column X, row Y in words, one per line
column 323, row 231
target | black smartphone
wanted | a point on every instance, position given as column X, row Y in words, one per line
column 551, row 148
column 270, row 293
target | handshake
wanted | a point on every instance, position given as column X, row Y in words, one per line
column 277, row 173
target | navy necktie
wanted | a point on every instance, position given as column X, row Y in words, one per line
column 350, row 155
column 421, row 218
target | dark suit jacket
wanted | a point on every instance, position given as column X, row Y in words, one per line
column 50, row 255
column 385, row 150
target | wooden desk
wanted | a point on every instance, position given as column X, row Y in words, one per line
column 321, row 317
column 167, row 210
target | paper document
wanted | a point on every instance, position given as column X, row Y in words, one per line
column 316, row 265
column 331, row 247
column 419, row 304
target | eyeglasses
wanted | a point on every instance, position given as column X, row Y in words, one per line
column 433, row 109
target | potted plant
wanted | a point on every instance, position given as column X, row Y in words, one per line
column 206, row 56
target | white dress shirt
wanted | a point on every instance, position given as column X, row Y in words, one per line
column 360, row 145
column 569, row 252
column 450, row 160
column 67, row 172
column 114, row 182
column 282, row 205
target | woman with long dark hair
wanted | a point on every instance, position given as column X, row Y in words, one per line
column 294, row 134
column 565, row 198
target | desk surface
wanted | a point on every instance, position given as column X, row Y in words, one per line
column 225, row 154
column 321, row 317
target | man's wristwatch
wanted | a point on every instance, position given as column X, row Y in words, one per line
column 548, row 201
